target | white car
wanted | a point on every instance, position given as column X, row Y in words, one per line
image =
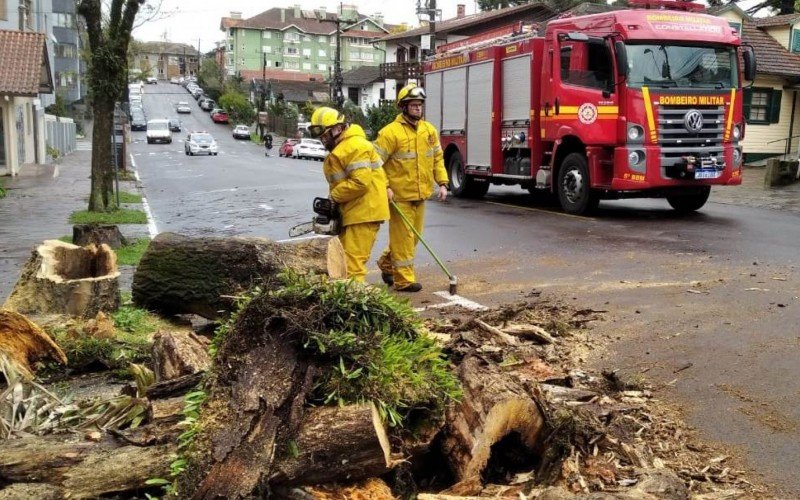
column 158, row 131
column 175, row 80
column 152, row 80
column 310, row 149
column 183, row 107
column 241, row 132
column 200, row 143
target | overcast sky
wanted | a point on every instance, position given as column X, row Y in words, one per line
column 199, row 19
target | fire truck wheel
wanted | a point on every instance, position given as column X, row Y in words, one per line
column 690, row 202
column 574, row 191
column 461, row 184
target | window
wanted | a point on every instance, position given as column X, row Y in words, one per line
column 586, row 64
column 736, row 26
column 291, row 65
column 322, row 53
column 322, row 39
column 266, row 34
column 62, row 19
column 291, row 37
column 306, row 38
column 266, row 49
column 307, row 66
column 291, row 51
column 322, row 67
column 795, row 41
column 307, row 52
column 66, row 50
column 762, row 105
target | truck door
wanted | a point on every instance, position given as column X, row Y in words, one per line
column 581, row 99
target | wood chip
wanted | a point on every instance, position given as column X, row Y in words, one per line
column 499, row 334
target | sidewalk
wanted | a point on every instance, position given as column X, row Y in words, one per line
column 41, row 199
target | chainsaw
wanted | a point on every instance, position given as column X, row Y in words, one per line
column 327, row 221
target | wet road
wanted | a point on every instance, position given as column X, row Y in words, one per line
column 716, row 291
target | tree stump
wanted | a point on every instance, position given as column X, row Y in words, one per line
column 203, row 276
column 494, row 405
column 97, row 234
column 176, row 354
column 62, row 278
column 24, row 343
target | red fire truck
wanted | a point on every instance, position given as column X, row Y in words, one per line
column 629, row 103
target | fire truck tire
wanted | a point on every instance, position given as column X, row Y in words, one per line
column 461, row 184
column 691, row 202
column 574, row 189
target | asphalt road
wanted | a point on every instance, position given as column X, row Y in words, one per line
column 705, row 306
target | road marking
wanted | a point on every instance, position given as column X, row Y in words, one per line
column 531, row 209
column 453, row 300
column 313, row 236
column 266, row 207
column 151, row 221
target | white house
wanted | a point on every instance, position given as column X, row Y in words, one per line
column 363, row 86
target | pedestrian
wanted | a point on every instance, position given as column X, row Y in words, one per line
column 414, row 164
column 357, row 183
column 267, row 143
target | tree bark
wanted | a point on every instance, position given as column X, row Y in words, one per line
column 102, row 184
column 174, row 387
column 180, row 274
column 176, row 354
column 62, row 278
column 493, row 405
column 97, row 234
column 25, row 343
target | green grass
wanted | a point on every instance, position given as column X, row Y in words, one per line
column 2, row 188
column 129, row 197
column 119, row 216
column 66, row 239
column 131, row 254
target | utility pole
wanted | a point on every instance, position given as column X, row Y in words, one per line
column 337, row 96
column 430, row 11
column 262, row 105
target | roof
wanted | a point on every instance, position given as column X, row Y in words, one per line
column 26, row 67
column 784, row 20
column 771, row 57
column 527, row 12
column 280, row 18
column 167, row 48
column 280, row 75
column 297, row 91
column 363, row 75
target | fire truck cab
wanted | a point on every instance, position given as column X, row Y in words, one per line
column 629, row 103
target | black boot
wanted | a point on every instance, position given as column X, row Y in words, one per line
column 413, row 287
column 387, row 278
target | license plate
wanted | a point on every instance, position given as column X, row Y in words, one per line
column 707, row 174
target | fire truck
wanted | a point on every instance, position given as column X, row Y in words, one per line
column 645, row 102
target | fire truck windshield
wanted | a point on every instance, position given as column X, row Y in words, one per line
column 682, row 66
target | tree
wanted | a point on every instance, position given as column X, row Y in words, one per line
column 238, row 107
column 211, row 78
column 59, row 108
column 380, row 116
column 775, row 7
column 109, row 36
column 499, row 4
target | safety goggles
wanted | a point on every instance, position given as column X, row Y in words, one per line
column 416, row 93
column 316, row 131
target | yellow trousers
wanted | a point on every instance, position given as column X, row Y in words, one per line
column 398, row 259
column 357, row 241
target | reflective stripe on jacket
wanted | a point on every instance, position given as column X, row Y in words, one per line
column 412, row 157
column 357, row 181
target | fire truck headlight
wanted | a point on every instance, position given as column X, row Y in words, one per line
column 635, row 157
column 737, row 132
column 635, row 133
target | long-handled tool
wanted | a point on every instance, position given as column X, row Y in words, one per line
column 453, row 279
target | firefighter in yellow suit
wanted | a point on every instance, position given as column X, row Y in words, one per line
column 357, row 183
column 414, row 164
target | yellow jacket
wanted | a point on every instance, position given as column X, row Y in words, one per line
column 357, row 181
column 412, row 158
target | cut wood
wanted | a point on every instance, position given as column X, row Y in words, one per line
column 97, row 234
column 494, row 405
column 24, row 343
column 371, row 489
column 532, row 332
column 336, row 444
column 174, row 387
column 501, row 336
column 180, row 274
column 176, row 354
column 62, row 278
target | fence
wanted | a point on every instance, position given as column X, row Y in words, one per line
column 282, row 126
column 60, row 133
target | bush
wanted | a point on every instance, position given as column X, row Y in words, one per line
column 380, row 116
column 238, row 107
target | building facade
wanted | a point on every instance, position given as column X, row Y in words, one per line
column 294, row 41
column 165, row 60
column 69, row 69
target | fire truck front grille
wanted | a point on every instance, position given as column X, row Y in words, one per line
column 677, row 141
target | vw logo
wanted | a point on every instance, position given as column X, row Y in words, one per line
column 693, row 121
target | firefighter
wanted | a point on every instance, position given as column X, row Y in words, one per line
column 357, row 183
column 413, row 161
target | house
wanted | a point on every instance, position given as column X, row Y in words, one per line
column 290, row 91
column 292, row 43
column 404, row 50
column 26, row 74
column 165, row 60
column 771, row 107
column 363, row 86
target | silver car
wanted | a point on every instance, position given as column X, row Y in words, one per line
column 311, row 149
column 200, row 143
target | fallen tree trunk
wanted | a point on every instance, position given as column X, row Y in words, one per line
column 25, row 343
column 62, row 278
column 179, row 274
column 97, row 234
column 494, row 405
column 176, row 354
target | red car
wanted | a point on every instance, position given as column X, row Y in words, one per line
column 287, row 147
column 219, row 116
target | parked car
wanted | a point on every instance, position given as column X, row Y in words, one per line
column 309, row 148
column 175, row 124
column 197, row 93
column 175, row 80
column 241, row 132
column 286, row 147
column 200, row 143
column 183, row 107
column 138, row 122
column 219, row 115
column 208, row 104
column 158, row 131
column 203, row 99
column 152, row 80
